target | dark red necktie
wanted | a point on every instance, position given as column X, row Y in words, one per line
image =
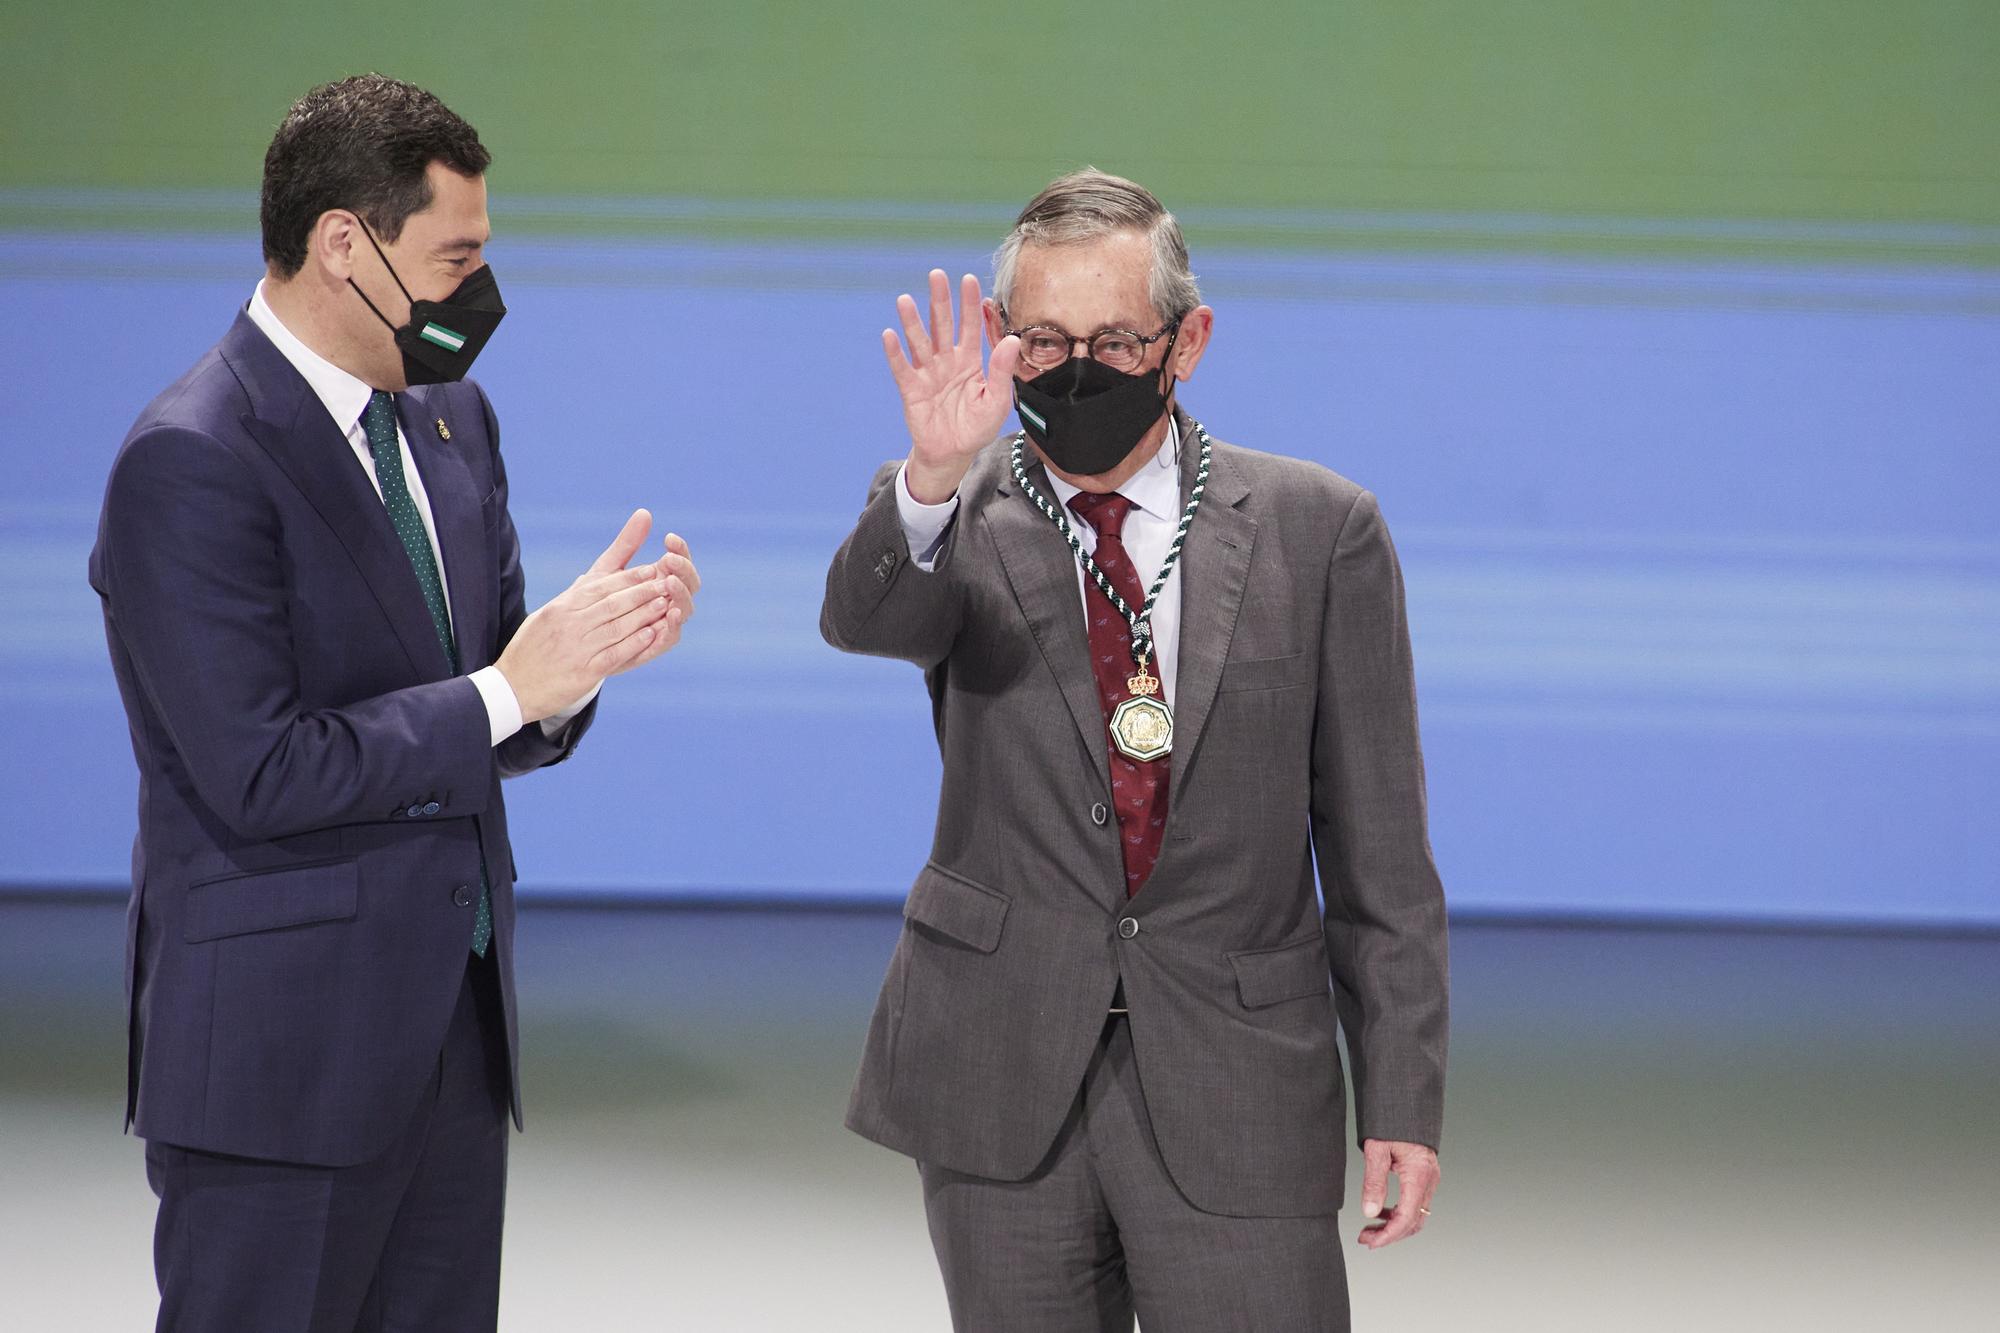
column 1138, row 791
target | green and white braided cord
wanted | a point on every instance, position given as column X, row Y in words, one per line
column 1140, row 620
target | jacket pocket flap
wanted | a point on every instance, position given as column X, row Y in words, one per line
column 1288, row 972
column 270, row 900
column 952, row 905
column 1265, row 673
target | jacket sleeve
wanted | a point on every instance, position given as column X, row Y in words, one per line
column 1385, row 914
column 879, row 602
column 530, row 747
column 195, row 593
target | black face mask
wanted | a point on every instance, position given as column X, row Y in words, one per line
column 1086, row 416
column 443, row 337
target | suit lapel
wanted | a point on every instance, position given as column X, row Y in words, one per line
column 1214, row 573
column 1042, row 574
column 291, row 424
column 461, row 529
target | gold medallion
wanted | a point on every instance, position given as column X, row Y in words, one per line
column 1142, row 728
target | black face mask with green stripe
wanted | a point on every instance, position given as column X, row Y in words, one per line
column 443, row 337
column 1088, row 417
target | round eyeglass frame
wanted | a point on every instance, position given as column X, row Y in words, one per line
column 1070, row 340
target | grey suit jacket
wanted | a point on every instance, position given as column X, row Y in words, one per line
column 1295, row 739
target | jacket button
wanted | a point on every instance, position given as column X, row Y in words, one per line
column 1128, row 927
column 432, row 807
column 462, row 896
column 1098, row 814
column 414, row 811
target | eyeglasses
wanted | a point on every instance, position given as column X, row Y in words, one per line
column 1044, row 346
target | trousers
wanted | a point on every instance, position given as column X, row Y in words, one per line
column 406, row 1243
column 1100, row 1234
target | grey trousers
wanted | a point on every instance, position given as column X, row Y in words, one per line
column 1100, row 1233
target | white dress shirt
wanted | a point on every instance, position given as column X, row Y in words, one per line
column 346, row 398
column 1155, row 493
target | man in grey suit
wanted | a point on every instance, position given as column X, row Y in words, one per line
column 1168, row 675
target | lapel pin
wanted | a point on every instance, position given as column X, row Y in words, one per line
column 444, row 431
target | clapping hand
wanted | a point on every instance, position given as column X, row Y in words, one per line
column 610, row 620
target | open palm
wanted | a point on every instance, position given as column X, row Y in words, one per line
column 953, row 404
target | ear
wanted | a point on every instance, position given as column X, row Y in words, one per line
column 332, row 243
column 996, row 326
column 1196, row 326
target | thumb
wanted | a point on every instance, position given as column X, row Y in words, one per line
column 1374, row 1178
column 625, row 545
column 1000, row 370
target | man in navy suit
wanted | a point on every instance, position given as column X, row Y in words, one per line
column 313, row 596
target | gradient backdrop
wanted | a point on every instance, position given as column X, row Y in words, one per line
column 1667, row 332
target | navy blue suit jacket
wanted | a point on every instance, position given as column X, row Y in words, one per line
column 316, row 787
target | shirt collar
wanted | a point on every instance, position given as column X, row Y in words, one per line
column 1155, row 488
column 345, row 396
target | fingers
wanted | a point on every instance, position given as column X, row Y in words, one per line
column 627, row 652
column 620, row 629
column 1374, row 1177
column 1418, row 1181
column 679, row 561
column 665, row 635
column 1417, row 1173
column 1006, row 359
column 608, row 607
column 940, row 312
column 1405, row 1218
column 899, row 365
column 677, row 599
column 622, row 593
column 1399, row 1222
column 913, row 331
column 641, row 646
column 971, row 312
column 625, row 545
column 927, row 344
column 682, row 581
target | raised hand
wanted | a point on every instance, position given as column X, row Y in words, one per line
column 609, row 620
column 953, row 404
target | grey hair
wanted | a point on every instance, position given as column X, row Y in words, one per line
column 1087, row 204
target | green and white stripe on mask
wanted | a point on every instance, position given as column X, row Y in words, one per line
column 442, row 336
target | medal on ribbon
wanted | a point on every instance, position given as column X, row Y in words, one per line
column 1142, row 726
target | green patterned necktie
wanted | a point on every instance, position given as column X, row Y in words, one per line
column 379, row 420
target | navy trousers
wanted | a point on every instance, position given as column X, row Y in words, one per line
column 408, row 1242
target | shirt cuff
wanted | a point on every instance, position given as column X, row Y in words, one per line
column 556, row 722
column 503, row 710
column 924, row 526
